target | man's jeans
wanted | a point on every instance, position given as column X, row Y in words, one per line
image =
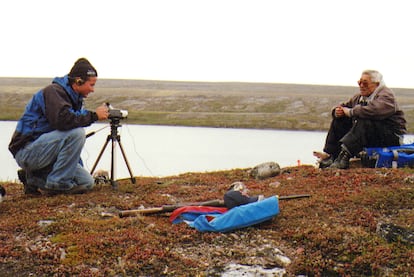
column 60, row 149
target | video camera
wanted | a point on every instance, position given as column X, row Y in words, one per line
column 116, row 113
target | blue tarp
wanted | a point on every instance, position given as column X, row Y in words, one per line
column 402, row 156
column 238, row 217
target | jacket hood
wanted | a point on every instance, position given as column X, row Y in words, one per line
column 64, row 83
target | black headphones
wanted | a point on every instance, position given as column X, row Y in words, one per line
column 79, row 81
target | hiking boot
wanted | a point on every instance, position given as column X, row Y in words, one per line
column 27, row 188
column 49, row 192
column 78, row 190
column 342, row 161
column 2, row 193
column 327, row 162
column 55, row 190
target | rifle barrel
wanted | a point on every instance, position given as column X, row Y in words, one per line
column 295, row 196
column 170, row 208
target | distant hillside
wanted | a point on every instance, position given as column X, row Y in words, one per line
column 218, row 104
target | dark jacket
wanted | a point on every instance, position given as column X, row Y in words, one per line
column 381, row 106
column 234, row 198
column 56, row 107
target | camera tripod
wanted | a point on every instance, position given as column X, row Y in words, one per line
column 115, row 138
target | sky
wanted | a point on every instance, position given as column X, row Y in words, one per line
column 326, row 42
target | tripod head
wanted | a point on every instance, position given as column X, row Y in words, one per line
column 116, row 114
column 115, row 122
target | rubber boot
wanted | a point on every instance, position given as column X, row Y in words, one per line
column 27, row 187
column 326, row 162
column 342, row 161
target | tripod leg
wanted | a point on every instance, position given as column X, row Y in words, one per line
column 133, row 180
column 100, row 155
column 113, row 182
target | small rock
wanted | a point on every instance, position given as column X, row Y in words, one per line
column 283, row 260
column 107, row 214
column 44, row 223
column 300, row 251
column 251, row 271
column 409, row 179
column 394, row 233
column 265, row 170
column 150, row 226
column 62, row 253
column 275, row 184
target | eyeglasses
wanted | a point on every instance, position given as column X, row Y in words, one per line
column 364, row 83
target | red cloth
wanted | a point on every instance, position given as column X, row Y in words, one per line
column 196, row 210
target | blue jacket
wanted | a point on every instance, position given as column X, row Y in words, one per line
column 55, row 107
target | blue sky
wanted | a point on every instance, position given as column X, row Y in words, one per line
column 298, row 41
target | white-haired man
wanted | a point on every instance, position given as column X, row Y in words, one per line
column 370, row 118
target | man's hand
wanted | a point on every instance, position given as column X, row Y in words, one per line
column 342, row 111
column 339, row 111
column 102, row 112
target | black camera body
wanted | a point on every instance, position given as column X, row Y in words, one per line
column 116, row 113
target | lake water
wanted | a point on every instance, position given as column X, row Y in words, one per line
column 166, row 150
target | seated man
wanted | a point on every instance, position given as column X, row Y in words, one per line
column 371, row 118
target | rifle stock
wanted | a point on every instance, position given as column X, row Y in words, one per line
column 170, row 208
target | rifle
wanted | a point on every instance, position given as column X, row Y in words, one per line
column 211, row 203
column 170, row 208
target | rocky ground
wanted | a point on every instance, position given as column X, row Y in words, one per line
column 341, row 230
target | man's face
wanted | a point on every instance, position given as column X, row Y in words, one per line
column 366, row 86
column 87, row 87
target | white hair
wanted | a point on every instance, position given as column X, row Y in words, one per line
column 375, row 76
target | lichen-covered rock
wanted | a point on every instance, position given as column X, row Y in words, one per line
column 393, row 233
column 265, row 170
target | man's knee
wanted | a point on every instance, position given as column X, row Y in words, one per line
column 84, row 178
column 77, row 134
column 89, row 183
